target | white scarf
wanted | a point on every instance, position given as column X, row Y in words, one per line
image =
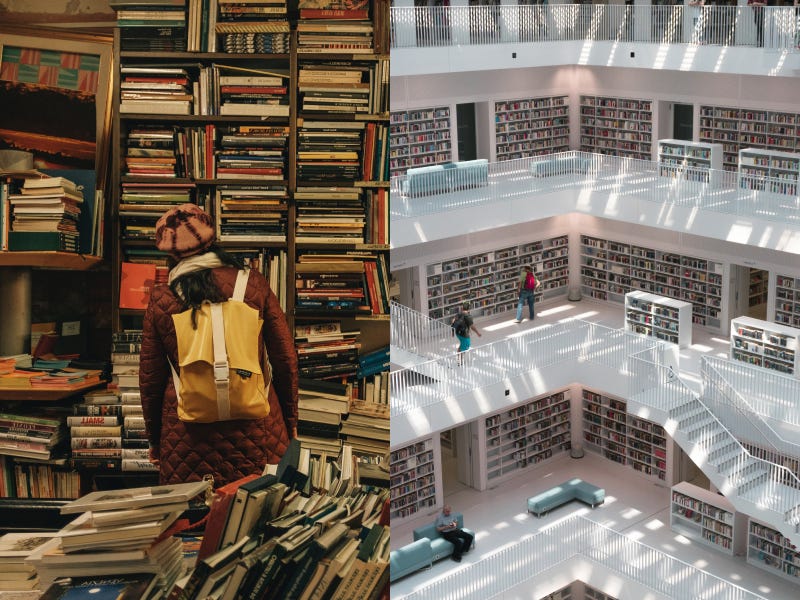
column 190, row 264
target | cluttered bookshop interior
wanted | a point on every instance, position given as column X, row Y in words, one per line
column 633, row 431
column 146, row 147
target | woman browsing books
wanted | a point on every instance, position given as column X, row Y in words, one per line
column 203, row 273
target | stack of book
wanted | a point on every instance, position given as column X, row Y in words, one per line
column 154, row 150
column 30, row 437
column 252, row 151
column 142, row 204
column 99, row 408
column 335, row 26
column 250, row 91
column 135, row 452
column 325, row 351
column 329, row 150
column 44, row 215
column 255, row 27
column 151, row 25
column 329, row 215
column 120, row 532
column 156, row 90
column 366, row 433
column 15, row 548
column 377, row 210
column 320, row 407
column 331, row 281
column 251, row 213
column 66, row 378
column 376, row 150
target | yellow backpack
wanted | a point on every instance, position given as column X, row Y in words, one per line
column 219, row 376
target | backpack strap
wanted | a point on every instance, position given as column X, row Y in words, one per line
column 241, row 285
column 221, row 371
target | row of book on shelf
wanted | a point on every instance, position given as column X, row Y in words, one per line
column 269, row 535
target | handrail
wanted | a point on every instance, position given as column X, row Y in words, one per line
column 712, row 190
column 426, row 27
column 580, row 537
column 417, row 333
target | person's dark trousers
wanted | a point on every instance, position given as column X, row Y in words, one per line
column 758, row 16
column 461, row 541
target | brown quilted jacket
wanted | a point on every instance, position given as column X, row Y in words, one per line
column 226, row 450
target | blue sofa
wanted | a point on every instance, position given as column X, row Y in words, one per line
column 565, row 165
column 573, row 489
column 428, row 546
column 448, row 177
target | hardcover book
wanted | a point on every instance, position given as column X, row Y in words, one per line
column 114, row 587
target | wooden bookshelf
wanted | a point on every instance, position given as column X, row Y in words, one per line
column 617, row 126
column 610, row 269
column 419, row 137
column 490, row 279
column 44, row 395
column 50, row 260
column 782, row 169
column 688, row 160
column 531, row 126
column 787, row 300
column 768, row 549
column 663, row 318
column 609, row 430
column 707, row 517
column 765, row 344
column 736, row 128
column 525, row 436
column 415, row 479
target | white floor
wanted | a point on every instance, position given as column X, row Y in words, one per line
column 634, row 505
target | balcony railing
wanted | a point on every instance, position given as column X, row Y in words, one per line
column 711, row 190
column 774, row 28
column 578, row 537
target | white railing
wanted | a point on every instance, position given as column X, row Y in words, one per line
column 578, row 537
column 414, row 332
column 770, row 394
column 710, row 190
column 424, row 27
column 434, row 381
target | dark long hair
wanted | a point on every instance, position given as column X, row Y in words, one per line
column 198, row 287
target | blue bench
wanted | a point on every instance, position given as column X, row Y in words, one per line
column 411, row 557
column 448, row 177
column 566, row 165
column 573, row 489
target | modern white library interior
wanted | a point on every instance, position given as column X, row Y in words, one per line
column 640, row 437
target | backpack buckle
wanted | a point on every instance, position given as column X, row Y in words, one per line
column 221, row 372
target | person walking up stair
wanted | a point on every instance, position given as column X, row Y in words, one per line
column 462, row 324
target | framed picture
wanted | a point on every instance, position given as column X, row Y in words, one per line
column 55, row 93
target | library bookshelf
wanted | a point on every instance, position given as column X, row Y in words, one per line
column 525, row 435
column 736, row 128
column 667, row 319
column 419, row 137
column 688, row 160
column 768, row 549
column 610, row 269
column 787, row 300
column 617, row 126
column 415, row 482
column 530, row 126
column 610, row 431
column 707, row 517
column 489, row 280
column 769, row 171
column 765, row 344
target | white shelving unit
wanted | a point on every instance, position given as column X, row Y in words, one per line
column 617, row 126
column 689, row 160
column 609, row 430
column 771, row 551
column 525, row 435
column 419, row 137
column 415, row 483
column 578, row 590
column 531, row 126
column 663, row 318
column 490, row 279
column 708, row 518
column 787, row 300
column 765, row 344
column 610, row 269
column 736, row 128
column 781, row 169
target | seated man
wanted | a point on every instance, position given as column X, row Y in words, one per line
column 448, row 529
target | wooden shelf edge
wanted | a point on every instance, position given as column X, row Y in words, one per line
column 40, row 394
column 50, row 260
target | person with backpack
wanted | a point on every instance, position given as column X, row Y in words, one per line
column 462, row 324
column 229, row 418
column 527, row 286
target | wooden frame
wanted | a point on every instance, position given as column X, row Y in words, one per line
column 55, row 62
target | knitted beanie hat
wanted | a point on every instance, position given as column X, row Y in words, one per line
column 184, row 230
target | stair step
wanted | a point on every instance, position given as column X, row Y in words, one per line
column 724, row 452
column 751, row 483
column 743, row 470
